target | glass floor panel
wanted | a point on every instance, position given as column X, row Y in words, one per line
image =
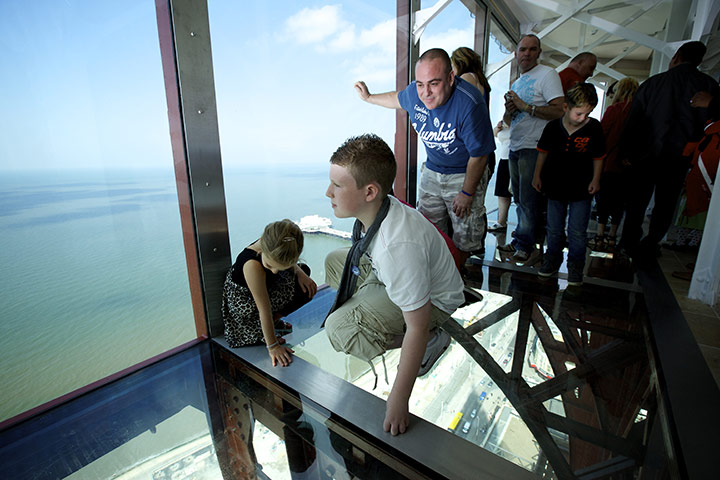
column 540, row 381
column 569, row 400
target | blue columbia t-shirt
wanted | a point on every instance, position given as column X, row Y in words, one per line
column 453, row 132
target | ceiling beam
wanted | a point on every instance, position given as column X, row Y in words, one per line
column 424, row 17
column 567, row 15
column 705, row 13
column 601, row 23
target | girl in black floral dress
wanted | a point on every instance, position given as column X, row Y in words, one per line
column 265, row 284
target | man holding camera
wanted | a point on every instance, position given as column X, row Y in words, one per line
column 535, row 98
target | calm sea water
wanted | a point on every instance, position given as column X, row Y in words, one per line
column 93, row 268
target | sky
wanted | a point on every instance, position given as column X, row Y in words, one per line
column 84, row 84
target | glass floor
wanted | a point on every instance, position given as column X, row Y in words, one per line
column 541, row 380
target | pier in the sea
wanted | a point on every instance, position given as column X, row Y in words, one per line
column 313, row 224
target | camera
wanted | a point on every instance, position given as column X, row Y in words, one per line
column 508, row 96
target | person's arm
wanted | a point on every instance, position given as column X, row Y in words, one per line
column 594, row 186
column 255, row 278
column 707, row 100
column 387, row 99
column 498, row 128
column 551, row 111
column 537, row 183
column 306, row 283
column 473, row 80
column 397, row 414
column 473, row 174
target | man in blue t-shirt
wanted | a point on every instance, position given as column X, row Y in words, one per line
column 451, row 118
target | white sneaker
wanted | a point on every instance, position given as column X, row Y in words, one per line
column 436, row 346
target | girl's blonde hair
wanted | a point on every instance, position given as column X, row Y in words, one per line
column 625, row 90
column 282, row 241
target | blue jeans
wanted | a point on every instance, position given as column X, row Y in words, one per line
column 578, row 218
column 522, row 169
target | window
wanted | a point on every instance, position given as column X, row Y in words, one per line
column 94, row 277
column 284, row 80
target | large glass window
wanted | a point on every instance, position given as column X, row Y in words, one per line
column 93, row 267
column 284, row 80
column 500, row 47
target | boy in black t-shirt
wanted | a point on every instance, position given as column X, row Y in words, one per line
column 570, row 160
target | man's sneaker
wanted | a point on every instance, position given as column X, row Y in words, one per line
column 508, row 249
column 497, row 227
column 575, row 273
column 527, row 259
column 535, row 257
column 548, row 268
column 520, row 257
column 438, row 343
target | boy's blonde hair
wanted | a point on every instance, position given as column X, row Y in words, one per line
column 282, row 241
column 369, row 160
column 581, row 95
column 625, row 90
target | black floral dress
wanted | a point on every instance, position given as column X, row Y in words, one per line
column 240, row 314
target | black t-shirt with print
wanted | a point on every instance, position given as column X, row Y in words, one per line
column 568, row 169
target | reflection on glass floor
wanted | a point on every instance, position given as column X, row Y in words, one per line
column 543, row 377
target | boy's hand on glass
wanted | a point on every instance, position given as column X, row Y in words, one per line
column 306, row 284
column 594, row 187
column 281, row 354
column 397, row 416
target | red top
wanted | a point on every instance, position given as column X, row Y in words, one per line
column 570, row 78
column 613, row 123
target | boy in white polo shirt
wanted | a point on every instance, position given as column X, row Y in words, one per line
column 398, row 283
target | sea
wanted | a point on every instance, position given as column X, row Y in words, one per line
column 93, row 267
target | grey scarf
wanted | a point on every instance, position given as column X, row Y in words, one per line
column 359, row 246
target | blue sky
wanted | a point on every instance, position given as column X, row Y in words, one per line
column 84, row 88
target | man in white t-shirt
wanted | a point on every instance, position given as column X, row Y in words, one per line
column 398, row 282
column 535, row 98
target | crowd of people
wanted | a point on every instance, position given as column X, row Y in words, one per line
column 402, row 277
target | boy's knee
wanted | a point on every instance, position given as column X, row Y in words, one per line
column 346, row 335
column 334, row 264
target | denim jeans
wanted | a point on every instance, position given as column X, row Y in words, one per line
column 522, row 169
column 578, row 219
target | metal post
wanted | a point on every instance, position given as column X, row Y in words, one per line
column 187, row 65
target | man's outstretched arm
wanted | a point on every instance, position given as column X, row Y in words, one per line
column 397, row 415
column 387, row 99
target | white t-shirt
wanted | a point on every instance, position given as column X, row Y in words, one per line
column 410, row 256
column 502, row 141
column 537, row 86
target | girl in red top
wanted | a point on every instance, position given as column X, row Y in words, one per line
column 611, row 197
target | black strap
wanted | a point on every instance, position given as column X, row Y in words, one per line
column 359, row 247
